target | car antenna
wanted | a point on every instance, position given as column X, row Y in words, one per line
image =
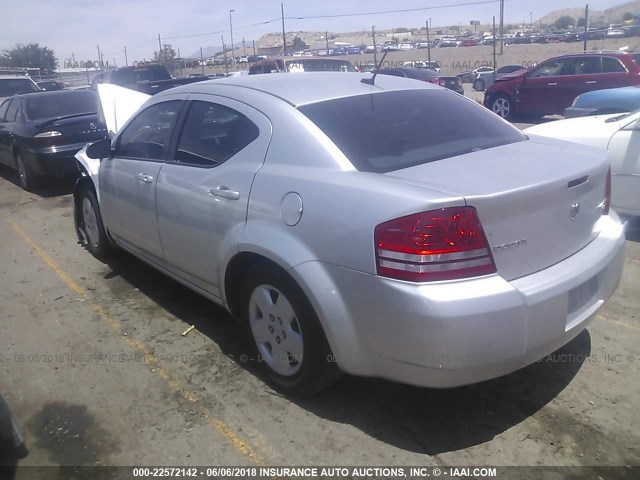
column 371, row 81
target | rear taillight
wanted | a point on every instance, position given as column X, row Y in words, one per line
column 443, row 244
column 49, row 138
column 607, row 194
column 441, row 81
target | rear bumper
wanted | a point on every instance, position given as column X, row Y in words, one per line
column 462, row 332
column 55, row 161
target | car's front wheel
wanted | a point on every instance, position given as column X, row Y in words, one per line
column 91, row 226
column 503, row 106
column 286, row 334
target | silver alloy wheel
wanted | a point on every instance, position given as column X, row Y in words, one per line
column 22, row 171
column 276, row 330
column 502, row 106
column 90, row 223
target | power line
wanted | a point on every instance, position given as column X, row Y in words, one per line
column 360, row 14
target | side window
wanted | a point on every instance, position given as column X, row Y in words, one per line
column 12, row 111
column 148, row 135
column 3, row 109
column 612, row 65
column 212, row 134
column 395, row 73
column 587, row 65
column 549, row 69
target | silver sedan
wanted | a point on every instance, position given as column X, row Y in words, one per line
column 386, row 228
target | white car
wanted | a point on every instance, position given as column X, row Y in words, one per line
column 620, row 136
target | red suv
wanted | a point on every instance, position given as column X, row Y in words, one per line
column 551, row 86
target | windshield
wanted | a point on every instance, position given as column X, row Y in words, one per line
column 16, row 86
column 61, row 105
column 389, row 131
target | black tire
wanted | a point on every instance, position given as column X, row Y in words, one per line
column 313, row 368
column 502, row 105
column 478, row 85
column 90, row 225
column 26, row 178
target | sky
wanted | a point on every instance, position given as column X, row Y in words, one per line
column 77, row 27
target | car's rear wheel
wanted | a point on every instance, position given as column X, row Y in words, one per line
column 286, row 334
column 478, row 85
column 91, row 226
column 26, row 177
column 503, row 106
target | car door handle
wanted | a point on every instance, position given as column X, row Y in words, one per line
column 591, row 82
column 224, row 192
column 143, row 177
column 552, row 84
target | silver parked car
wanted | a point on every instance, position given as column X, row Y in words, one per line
column 393, row 229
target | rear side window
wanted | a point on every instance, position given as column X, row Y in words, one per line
column 389, row 131
column 149, row 133
column 612, row 65
column 12, row 111
column 212, row 134
column 3, row 109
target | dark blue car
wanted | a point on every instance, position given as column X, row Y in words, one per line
column 601, row 102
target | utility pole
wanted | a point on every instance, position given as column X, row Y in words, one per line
column 375, row 49
column 531, row 22
column 284, row 35
column 201, row 60
column 126, row 60
column 501, row 27
column 254, row 47
column 586, row 27
column 495, row 65
column 224, row 51
column 233, row 57
column 159, row 50
column 244, row 48
column 428, row 42
column 326, row 39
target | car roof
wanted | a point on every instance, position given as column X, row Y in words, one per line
column 305, row 87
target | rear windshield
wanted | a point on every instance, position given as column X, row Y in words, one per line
column 16, row 86
column 61, row 105
column 388, row 131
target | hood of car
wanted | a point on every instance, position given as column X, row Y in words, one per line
column 594, row 131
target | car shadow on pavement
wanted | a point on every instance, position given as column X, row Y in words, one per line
column 421, row 420
column 434, row 421
column 49, row 187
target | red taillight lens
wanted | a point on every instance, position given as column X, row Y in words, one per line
column 49, row 138
column 607, row 194
column 443, row 244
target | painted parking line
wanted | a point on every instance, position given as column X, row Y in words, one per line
column 225, row 430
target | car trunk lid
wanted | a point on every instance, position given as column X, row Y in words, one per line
column 74, row 128
column 538, row 201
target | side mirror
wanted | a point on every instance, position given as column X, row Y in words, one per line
column 99, row 149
